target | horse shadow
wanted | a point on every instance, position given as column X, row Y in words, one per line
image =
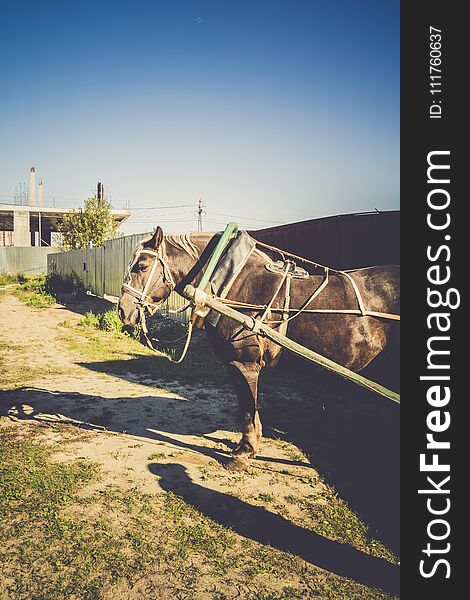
column 258, row 524
column 162, row 419
column 350, row 436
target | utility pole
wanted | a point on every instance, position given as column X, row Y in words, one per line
column 199, row 215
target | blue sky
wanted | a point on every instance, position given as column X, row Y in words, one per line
column 272, row 111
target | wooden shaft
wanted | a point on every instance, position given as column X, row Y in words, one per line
column 203, row 299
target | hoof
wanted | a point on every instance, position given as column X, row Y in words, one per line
column 237, row 464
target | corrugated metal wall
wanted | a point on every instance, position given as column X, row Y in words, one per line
column 102, row 269
column 18, row 259
column 343, row 241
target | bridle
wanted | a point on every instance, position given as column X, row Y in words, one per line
column 142, row 296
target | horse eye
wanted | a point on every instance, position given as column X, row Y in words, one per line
column 139, row 268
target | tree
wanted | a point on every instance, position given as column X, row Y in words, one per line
column 93, row 224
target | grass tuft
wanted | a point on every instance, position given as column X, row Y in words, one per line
column 6, row 279
column 33, row 291
column 107, row 321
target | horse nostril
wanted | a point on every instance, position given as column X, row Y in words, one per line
column 122, row 315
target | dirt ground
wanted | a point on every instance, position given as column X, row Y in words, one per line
column 162, row 434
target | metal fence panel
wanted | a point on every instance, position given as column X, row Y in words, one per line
column 343, row 241
column 102, row 270
column 22, row 259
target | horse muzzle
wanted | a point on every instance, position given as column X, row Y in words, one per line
column 128, row 311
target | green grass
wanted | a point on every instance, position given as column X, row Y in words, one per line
column 41, row 291
column 331, row 517
column 8, row 279
column 98, row 338
column 266, row 497
column 61, row 538
column 94, row 344
column 107, row 321
column 33, row 292
column 59, row 541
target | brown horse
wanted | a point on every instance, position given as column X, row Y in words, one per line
column 162, row 264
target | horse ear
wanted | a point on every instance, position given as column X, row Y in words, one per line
column 156, row 239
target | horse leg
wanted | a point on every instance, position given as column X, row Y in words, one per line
column 244, row 378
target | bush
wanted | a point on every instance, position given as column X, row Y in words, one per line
column 34, row 284
column 90, row 320
column 108, row 321
column 34, row 293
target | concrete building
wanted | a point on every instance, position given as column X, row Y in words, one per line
column 27, row 222
column 22, row 225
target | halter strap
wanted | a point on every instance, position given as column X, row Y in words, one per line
column 141, row 295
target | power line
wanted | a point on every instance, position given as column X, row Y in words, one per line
column 163, row 207
column 243, row 218
column 161, row 220
column 245, row 225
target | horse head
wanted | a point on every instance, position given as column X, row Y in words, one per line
column 147, row 283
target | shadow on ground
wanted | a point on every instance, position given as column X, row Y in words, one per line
column 82, row 304
column 163, row 419
column 351, row 436
column 258, row 524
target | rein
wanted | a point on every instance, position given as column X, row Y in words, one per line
column 143, row 295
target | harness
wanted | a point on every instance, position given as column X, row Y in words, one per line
column 298, row 273
column 287, row 268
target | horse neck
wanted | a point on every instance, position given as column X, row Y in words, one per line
column 183, row 252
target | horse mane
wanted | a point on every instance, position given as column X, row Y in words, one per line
column 182, row 241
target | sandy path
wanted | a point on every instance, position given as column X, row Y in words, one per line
column 164, row 436
column 138, row 422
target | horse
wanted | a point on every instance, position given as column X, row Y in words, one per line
column 162, row 264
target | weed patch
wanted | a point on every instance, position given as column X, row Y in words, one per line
column 107, row 321
column 65, row 284
column 8, row 279
column 332, row 518
column 33, row 292
column 101, row 340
